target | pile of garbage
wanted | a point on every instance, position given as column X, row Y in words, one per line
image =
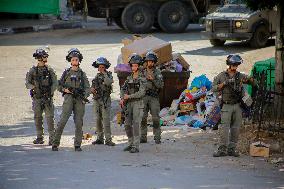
column 196, row 107
column 167, row 62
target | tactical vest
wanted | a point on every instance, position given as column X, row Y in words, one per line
column 133, row 86
column 74, row 78
column 153, row 91
column 43, row 81
column 235, row 89
column 101, row 89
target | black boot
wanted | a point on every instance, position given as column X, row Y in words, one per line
column 54, row 148
column 127, row 148
column 110, row 143
column 38, row 141
column 134, row 150
column 78, row 149
column 98, row 141
column 143, row 139
column 222, row 151
column 233, row 152
column 158, row 141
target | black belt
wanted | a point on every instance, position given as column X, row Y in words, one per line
column 228, row 102
column 152, row 93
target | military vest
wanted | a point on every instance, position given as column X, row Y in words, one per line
column 72, row 79
column 42, row 80
column 101, row 89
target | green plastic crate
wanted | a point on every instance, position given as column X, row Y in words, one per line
column 261, row 66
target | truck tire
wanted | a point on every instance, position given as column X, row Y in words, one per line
column 217, row 42
column 118, row 22
column 173, row 17
column 260, row 37
column 137, row 17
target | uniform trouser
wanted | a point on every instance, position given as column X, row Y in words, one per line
column 231, row 120
column 152, row 104
column 133, row 117
column 48, row 109
column 102, row 111
column 70, row 105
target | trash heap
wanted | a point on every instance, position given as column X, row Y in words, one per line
column 196, row 107
column 167, row 62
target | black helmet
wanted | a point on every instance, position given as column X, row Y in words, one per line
column 101, row 61
column 234, row 59
column 40, row 53
column 135, row 59
column 74, row 52
column 151, row 56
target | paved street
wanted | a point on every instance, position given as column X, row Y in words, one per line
column 183, row 160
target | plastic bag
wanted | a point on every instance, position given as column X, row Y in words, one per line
column 174, row 106
column 164, row 112
column 122, row 68
column 201, row 81
column 183, row 120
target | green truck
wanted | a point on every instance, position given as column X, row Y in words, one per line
column 140, row 16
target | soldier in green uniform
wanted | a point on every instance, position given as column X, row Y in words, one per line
column 132, row 93
column 75, row 88
column 151, row 100
column 101, row 90
column 229, row 84
column 42, row 82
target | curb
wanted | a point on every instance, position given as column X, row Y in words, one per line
column 38, row 28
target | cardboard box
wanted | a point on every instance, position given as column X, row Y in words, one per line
column 186, row 106
column 181, row 60
column 162, row 48
column 259, row 149
column 87, row 136
column 127, row 41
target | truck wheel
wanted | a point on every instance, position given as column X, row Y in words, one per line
column 118, row 22
column 137, row 17
column 173, row 17
column 260, row 37
column 217, row 42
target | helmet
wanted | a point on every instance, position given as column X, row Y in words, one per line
column 101, row 61
column 234, row 59
column 151, row 56
column 40, row 53
column 135, row 59
column 74, row 52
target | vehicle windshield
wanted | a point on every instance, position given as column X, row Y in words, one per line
column 235, row 2
column 234, row 6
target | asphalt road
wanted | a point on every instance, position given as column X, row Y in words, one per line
column 183, row 160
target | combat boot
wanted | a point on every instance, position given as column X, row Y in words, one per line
column 143, row 139
column 233, row 152
column 127, row 148
column 158, row 141
column 110, row 143
column 98, row 141
column 78, row 149
column 222, row 151
column 134, row 150
column 38, row 141
column 54, row 148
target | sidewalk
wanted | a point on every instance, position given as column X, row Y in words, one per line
column 12, row 26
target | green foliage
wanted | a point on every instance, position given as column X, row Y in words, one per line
column 263, row 4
